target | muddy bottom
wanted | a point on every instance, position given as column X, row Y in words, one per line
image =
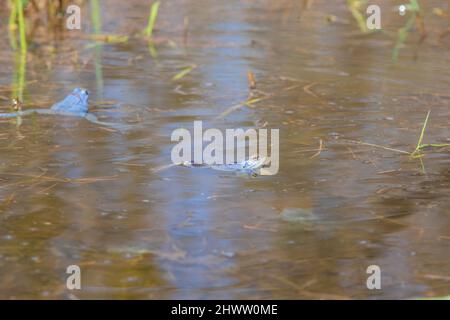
column 76, row 193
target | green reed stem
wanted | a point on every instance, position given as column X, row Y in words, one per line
column 95, row 16
column 422, row 134
column 354, row 7
column 13, row 25
column 152, row 19
column 97, row 29
column 22, row 30
column 404, row 31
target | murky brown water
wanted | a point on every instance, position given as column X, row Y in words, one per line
column 74, row 193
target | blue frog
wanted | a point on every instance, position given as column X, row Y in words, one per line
column 76, row 104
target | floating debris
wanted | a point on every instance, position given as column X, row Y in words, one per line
column 184, row 72
column 251, row 80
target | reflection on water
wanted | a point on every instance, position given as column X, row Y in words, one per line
column 75, row 193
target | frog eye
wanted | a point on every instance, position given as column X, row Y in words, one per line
column 86, row 92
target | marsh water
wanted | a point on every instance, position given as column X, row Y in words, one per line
column 74, row 193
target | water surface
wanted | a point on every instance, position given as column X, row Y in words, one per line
column 75, row 193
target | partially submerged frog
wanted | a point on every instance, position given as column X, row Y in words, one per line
column 251, row 166
column 76, row 104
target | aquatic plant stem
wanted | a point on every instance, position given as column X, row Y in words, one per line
column 148, row 31
column 96, row 26
column 354, row 7
column 22, row 31
column 12, row 25
column 403, row 32
column 422, row 133
column 152, row 19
